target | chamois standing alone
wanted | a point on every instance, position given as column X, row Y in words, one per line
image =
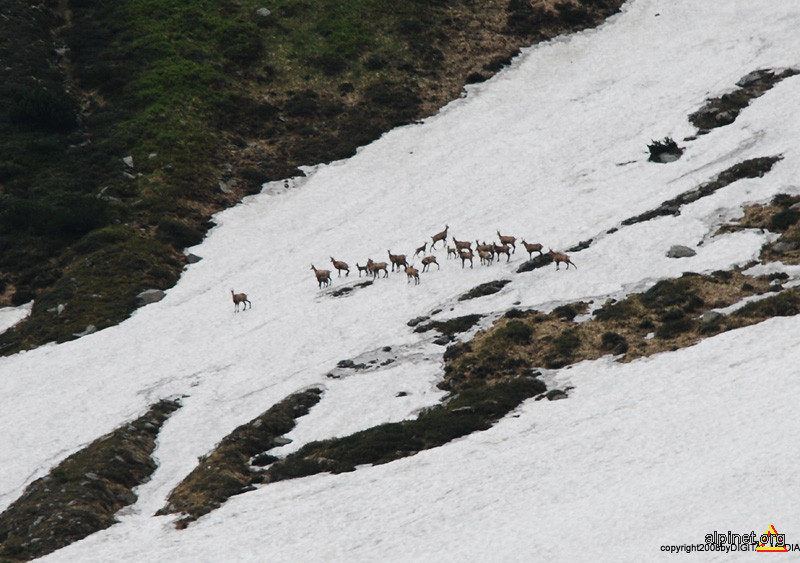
column 440, row 237
column 323, row 276
column 339, row 265
column 558, row 257
column 240, row 298
column 423, row 249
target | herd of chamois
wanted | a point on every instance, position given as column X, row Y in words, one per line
column 462, row 249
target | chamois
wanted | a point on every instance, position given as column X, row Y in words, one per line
column 240, row 298
column 440, row 237
column 412, row 272
column 423, row 249
column 466, row 255
column 323, row 276
column 453, row 251
column 508, row 240
column 486, row 257
column 498, row 250
column 339, row 265
column 485, row 247
column 462, row 244
column 428, row 260
column 364, row 269
column 397, row 260
column 531, row 248
column 376, row 267
column 559, row 257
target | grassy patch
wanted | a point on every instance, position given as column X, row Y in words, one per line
column 227, row 470
column 472, row 409
column 81, row 495
column 199, row 93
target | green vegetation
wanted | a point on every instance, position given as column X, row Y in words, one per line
column 197, row 93
column 83, row 493
column 227, row 471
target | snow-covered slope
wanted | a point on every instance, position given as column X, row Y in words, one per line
column 660, row 451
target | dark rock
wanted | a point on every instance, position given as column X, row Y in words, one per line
column 417, row 320
column 785, row 246
column 537, row 262
column 484, row 289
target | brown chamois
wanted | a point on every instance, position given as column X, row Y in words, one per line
column 339, row 265
column 465, row 255
column 412, row 272
column 531, row 248
column 508, row 240
column 423, row 249
column 440, row 237
column 323, row 276
column 462, row 244
column 428, row 260
column 364, row 269
column 486, row 257
column 558, row 257
column 452, row 251
column 375, row 267
column 498, row 250
column 397, row 260
column 240, row 298
column 485, row 247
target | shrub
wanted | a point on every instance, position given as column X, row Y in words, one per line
column 55, row 111
column 667, row 146
column 674, row 322
column 566, row 312
column 567, row 342
column 68, row 216
column 573, row 14
column 241, row 43
column 666, row 293
column 178, row 234
column 784, row 219
column 784, row 304
column 784, row 200
column 614, row 343
column 616, row 311
column 515, row 332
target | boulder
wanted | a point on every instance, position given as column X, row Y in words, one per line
column 150, row 296
column 680, row 251
column 785, row 246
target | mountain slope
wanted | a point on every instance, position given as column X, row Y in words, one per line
column 662, row 450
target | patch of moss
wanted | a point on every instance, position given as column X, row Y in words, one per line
column 473, row 409
column 82, row 494
column 227, row 471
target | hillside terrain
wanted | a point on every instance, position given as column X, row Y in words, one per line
column 628, row 377
column 126, row 125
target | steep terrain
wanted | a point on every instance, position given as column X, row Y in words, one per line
column 126, row 125
column 635, row 398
